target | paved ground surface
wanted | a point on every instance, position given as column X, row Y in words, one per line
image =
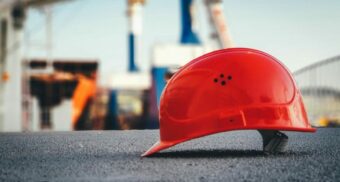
column 115, row 156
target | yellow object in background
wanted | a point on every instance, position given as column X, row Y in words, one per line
column 323, row 122
column 329, row 122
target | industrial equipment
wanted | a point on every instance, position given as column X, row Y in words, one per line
column 129, row 105
column 13, row 88
column 190, row 45
column 74, row 80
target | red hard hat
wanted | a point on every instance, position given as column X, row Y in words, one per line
column 229, row 89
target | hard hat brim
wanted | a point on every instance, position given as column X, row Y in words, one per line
column 162, row 145
column 158, row 146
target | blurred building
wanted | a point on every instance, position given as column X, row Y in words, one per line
column 320, row 87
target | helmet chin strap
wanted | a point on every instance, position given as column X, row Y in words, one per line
column 273, row 141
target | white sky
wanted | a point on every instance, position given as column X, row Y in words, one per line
column 296, row 32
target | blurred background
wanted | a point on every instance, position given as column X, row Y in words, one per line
column 85, row 64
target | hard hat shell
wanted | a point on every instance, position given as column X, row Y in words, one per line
column 229, row 89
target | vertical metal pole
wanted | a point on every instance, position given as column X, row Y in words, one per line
column 3, row 45
column 49, row 29
column 218, row 22
column 26, row 97
column 134, row 12
column 13, row 88
column 188, row 36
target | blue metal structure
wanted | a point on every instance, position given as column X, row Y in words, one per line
column 188, row 36
column 132, row 64
column 158, row 81
column 112, row 116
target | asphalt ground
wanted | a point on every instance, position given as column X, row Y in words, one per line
column 115, row 156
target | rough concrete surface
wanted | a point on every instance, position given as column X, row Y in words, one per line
column 115, row 156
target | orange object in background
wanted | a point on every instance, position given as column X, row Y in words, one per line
column 84, row 91
column 5, row 76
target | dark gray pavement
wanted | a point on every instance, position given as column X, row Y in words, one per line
column 115, row 156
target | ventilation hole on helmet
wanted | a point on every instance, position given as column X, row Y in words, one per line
column 229, row 77
column 223, row 83
column 215, row 80
column 221, row 75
